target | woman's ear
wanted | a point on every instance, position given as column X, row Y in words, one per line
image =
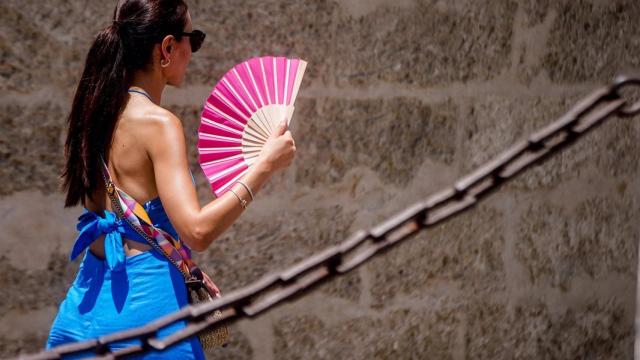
column 167, row 45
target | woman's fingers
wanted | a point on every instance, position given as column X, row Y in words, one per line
column 210, row 285
column 213, row 288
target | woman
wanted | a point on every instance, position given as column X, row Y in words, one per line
column 116, row 113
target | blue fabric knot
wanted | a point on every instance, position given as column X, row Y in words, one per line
column 91, row 226
column 108, row 224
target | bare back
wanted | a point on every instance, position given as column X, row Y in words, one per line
column 129, row 165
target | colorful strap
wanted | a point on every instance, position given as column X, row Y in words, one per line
column 136, row 214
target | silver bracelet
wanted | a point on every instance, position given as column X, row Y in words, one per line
column 243, row 203
column 246, row 187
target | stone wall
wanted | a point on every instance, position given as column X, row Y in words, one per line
column 400, row 99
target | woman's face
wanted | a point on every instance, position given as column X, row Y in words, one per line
column 179, row 54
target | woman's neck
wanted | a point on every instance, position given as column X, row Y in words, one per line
column 152, row 83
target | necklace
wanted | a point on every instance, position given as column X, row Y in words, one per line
column 140, row 92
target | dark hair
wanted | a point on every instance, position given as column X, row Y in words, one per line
column 117, row 51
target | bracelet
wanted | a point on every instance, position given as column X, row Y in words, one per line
column 243, row 203
column 248, row 189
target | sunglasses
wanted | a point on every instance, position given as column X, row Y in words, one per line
column 196, row 37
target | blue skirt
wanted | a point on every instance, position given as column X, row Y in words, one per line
column 101, row 301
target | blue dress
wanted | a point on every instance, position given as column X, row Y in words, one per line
column 121, row 292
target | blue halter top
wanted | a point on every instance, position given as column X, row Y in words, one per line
column 91, row 226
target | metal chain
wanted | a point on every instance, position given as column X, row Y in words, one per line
column 275, row 288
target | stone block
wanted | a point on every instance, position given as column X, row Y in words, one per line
column 27, row 344
column 607, row 151
column 57, row 37
column 595, row 329
column 31, row 147
column 30, row 290
column 35, row 225
column 403, row 333
column 465, row 251
column 534, row 11
column 348, row 286
column 432, row 43
column 25, row 331
column 583, row 46
column 439, row 42
column 597, row 238
column 496, row 123
column 392, row 137
column 235, row 33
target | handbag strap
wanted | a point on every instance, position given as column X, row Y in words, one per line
column 133, row 213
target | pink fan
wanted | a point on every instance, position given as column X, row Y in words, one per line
column 241, row 112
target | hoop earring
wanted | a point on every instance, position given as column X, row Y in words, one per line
column 165, row 65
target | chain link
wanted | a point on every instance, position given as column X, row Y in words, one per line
column 275, row 288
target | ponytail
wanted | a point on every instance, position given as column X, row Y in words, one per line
column 98, row 101
column 119, row 50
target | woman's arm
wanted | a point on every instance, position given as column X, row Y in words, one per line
column 197, row 226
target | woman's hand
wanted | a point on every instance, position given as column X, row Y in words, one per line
column 279, row 149
column 213, row 289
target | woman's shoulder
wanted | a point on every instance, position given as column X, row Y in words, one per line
column 151, row 114
column 160, row 133
column 156, row 123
